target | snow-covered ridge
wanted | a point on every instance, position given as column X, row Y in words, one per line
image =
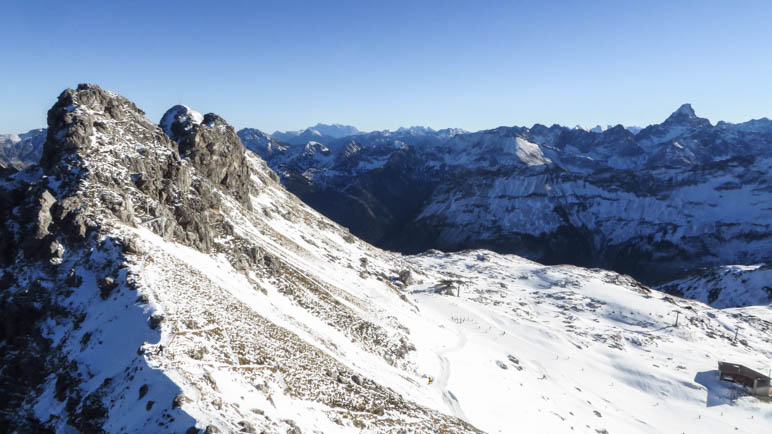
column 320, row 132
column 601, row 128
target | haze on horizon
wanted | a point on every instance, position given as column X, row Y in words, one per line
column 288, row 65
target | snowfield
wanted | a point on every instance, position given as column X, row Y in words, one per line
column 554, row 349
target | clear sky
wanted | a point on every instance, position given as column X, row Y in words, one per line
column 383, row 64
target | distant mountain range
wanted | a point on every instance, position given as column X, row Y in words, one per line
column 601, row 128
column 319, row 132
column 21, row 150
column 668, row 199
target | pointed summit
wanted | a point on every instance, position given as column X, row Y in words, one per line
column 685, row 110
column 212, row 147
column 685, row 116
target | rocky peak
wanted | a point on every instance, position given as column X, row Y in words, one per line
column 104, row 159
column 212, row 146
column 78, row 117
column 179, row 120
column 253, row 133
column 685, row 110
column 685, row 116
column 681, row 123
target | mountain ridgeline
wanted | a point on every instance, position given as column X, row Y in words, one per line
column 664, row 201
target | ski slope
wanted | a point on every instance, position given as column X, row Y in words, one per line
column 556, row 349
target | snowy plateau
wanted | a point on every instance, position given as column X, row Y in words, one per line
column 161, row 278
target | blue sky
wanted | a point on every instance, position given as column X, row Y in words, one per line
column 383, row 64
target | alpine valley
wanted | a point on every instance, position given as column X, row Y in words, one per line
column 182, row 277
column 658, row 203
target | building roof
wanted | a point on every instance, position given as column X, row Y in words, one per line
column 738, row 369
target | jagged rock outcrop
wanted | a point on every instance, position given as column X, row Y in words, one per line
column 212, row 146
column 143, row 168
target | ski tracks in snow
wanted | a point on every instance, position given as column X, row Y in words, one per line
column 442, row 380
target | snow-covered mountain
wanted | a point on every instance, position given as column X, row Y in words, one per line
column 300, row 156
column 726, row 286
column 322, row 133
column 367, row 166
column 336, row 130
column 159, row 279
column 601, row 128
column 676, row 196
column 336, row 133
column 261, row 143
column 21, row 150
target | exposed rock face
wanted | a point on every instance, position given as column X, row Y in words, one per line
column 213, row 148
column 152, row 174
column 103, row 163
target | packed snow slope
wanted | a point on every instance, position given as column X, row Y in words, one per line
column 670, row 198
column 528, row 347
column 160, row 278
